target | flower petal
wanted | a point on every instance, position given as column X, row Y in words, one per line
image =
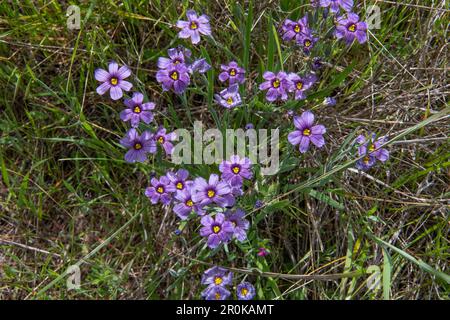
column 113, row 67
column 304, row 144
column 295, row 137
column 125, row 85
column 103, row 88
column 101, row 75
column 116, row 93
column 318, row 129
column 124, row 72
column 317, row 140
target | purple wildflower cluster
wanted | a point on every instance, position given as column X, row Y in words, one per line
column 200, row 196
column 137, row 111
column 372, row 151
column 214, row 199
column 300, row 32
column 235, row 75
column 217, row 279
column 279, row 84
column 175, row 70
column 348, row 26
column 222, row 191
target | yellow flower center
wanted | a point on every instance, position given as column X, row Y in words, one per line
column 244, row 291
column 174, row 75
column 372, row 148
column 230, row 101
column 176, row 61
column 236, row 169
column 137, row 109
column 137, row 146
column 160, row 190
column 366, row 160
column 276, row 83
column 234, row 224
column 179, row 186
column 297, row 28
column 193, row 25
column 307, row 43
column 232, row 72
column 306, row 132
column 299, row 85
column 217, row 296
column 114, row 81
column 161, row 140
column 189, row 203
column 218, row 280
column 211, row 193
column 216, row 229
column 352, row 27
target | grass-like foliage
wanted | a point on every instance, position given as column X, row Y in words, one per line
column 359, row 208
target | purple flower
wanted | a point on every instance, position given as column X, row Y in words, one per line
column 372, row 147
column 249, row 126
column 179, row 179
column 217, row 230
column 160, row 190
column 215, row 293
column 366, row 163
column 176, row 56
column 236, row 190
column 230, row 97
column 175, row 77
column 217, row 276
column 137, row 111
column 164, row 139
column 277, row 85
column 245, row 291
column 317, row 63
column 113, row 80
column 307, row 41
column 301, row 84
column 258, row 204
column 184, row 204
column 213, row 191
column 194, row 26
column 199, row 65
column 138, row 145
column 335, row 4
column 306, row 132
column 235, row 170
column 240, row 225
column 182, row 56
column 294, row 29
column 350, row 28
column 232, row 72
column 329, row 101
